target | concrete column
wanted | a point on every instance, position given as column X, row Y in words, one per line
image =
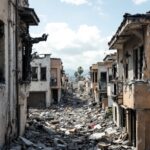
column 140, row 128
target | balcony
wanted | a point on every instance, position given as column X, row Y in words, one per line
column 117, row 94
column 136, row 95
column 53, row 82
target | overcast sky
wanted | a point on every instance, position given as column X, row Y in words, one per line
column 79, row 30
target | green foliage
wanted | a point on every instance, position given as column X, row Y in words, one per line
column 78, row 73
column 80, row 70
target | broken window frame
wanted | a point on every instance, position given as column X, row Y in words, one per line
column 138, row 56
column 34, row 73
column 126, row 71
column 2, row 52
column 43, row 72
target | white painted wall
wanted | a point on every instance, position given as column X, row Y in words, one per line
column 42, row 86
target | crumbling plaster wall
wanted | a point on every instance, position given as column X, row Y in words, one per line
column 8, row 89
column 128, row 94
column 56, row 63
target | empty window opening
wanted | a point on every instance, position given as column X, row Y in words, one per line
column 2, row 53
column 114, row 71
column 138, row 62
column 123, row 118
column 110, row 78
column 43, row 73
column 55, row 96
column 133, row 127
column 95, row 76
column 115, row 114
column 53, row 77
column 115, row 89
column 34, row 73
column 103, row 81
column 103, row 76
column 126, row 71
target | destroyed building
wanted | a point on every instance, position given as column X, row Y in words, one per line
column 15, row 55
column 40, row 90
column 133, row 75
column 94, row 82
column 56, row 79
column 102, row 84
column 101, row 76
column 104, row 78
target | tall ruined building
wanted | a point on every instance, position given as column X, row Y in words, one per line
column 15, row 72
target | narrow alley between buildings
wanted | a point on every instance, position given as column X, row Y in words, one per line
column 77, row 123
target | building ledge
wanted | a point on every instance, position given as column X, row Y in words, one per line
column 28, row 15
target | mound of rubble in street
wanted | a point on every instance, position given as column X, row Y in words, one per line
column 77, row 124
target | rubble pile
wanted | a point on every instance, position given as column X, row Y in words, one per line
column 75, row 125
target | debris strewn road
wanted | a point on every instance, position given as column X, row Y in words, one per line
column 77, row 124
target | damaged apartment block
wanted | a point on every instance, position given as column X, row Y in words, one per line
column 40, row 92
column 132, row 106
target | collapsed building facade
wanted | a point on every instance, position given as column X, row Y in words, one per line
column 101, row 76
column 40, row 90
column 132, row 78
column 56, row 79
column 94, row 82
column 15, row 56
column 105, row 78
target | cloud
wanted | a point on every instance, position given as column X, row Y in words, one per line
column 77, row 47
column 75, row 2
column 138, row 2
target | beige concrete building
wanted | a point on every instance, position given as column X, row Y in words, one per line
column 56, row 79
column 94, row 82
column 40, row 90
column 104, row 80
column 102, row 84
column 15, row 56
column 132, row 43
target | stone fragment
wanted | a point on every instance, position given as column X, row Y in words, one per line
column 26, row 141
column 97, row 136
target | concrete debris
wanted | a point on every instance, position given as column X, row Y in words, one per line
column 96, row 136
column 77, row 124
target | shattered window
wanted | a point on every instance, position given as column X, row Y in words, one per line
column 43, row 73
column 34, row 73
column 2, row 53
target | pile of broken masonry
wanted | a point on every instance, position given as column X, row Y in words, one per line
column 75, row 125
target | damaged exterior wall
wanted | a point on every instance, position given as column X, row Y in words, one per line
column 13, row 92
column 94, row 82
column 56, row 79
column 38, row 84
column 132, row 43
column 102, row 84
column 109, row 60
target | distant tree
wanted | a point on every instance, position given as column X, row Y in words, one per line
column 78, row 74
column 80, row 70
